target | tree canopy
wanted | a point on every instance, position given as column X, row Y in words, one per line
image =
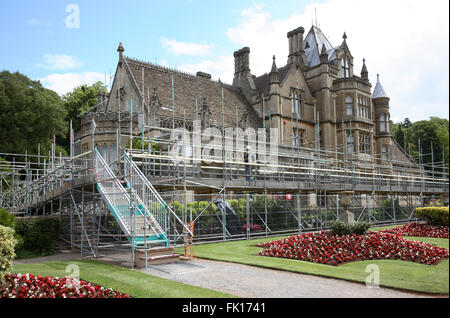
column 29, row 114
column 432, row 134
column 81, row 99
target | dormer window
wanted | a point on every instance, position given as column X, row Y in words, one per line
column 345, row 68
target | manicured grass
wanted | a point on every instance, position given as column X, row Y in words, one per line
column 393, row 273
column 126, row 281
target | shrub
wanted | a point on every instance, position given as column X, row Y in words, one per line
column 342, row 228
column 40, row 234
column 7, row 219
column 7, row 243
column 433, row 215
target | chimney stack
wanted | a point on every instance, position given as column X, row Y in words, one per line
column 242, row 61
column 296, row 50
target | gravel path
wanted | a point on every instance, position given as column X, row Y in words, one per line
column 254, row 282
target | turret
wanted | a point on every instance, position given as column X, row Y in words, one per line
column 380, row 102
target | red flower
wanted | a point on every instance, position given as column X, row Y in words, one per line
column 325, row 248
column 29, row 286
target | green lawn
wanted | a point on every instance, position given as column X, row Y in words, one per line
column 393, row 273
column 127, row 281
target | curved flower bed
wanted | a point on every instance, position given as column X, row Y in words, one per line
column 30, row 286
column 326, row 248
column 420, row 230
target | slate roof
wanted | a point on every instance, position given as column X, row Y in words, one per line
column 378, row 91
column 188, row 87
column 262, row 82
column 313, row 43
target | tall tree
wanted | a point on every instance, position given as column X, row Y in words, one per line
column 29, row 114
column 80, row 100
column 433, row 135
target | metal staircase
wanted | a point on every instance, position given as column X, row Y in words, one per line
column 130, row 212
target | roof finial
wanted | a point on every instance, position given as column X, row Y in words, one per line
column 378, row 77
column 120, row 49
column 344, row 36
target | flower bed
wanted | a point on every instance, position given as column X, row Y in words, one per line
column 420, row 230
column 30, row 286
column 326, row 248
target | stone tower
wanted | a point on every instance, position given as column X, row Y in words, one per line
column 380, row 102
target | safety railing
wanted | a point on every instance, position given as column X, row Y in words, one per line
column 151, row 199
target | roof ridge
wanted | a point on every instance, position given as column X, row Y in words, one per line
column 170, row 69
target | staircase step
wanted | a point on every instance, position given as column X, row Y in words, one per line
column 155, row 251
column 160, row 259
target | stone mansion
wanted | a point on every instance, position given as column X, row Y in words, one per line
column 317, row 99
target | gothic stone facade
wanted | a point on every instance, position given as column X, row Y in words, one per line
column 315, row 100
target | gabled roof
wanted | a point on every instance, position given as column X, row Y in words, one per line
column 378, row 91
column 188, row 87
column 262, row 82
column 313, row 45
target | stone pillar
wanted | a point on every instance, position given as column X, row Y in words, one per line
column 345, row 199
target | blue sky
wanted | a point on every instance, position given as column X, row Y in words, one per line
column 403, row 40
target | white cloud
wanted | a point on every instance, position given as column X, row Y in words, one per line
column 63, row 83
column 60, row 62
column 184, row 48
column 220, row 68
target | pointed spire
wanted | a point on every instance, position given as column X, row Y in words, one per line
column 364, row 72
column 274, row 72
column 378, row 91
column 323, row 55
column 274, row 66
column 344, row 36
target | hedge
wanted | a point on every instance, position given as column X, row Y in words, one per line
column 40, row 234
column 434, row 215
column 342, row 228
column 7, row 243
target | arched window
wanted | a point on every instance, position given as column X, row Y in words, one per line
column 382, row 122
column 297, row 102
column 349, row 106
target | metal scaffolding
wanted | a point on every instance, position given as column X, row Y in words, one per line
column 108, row 208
